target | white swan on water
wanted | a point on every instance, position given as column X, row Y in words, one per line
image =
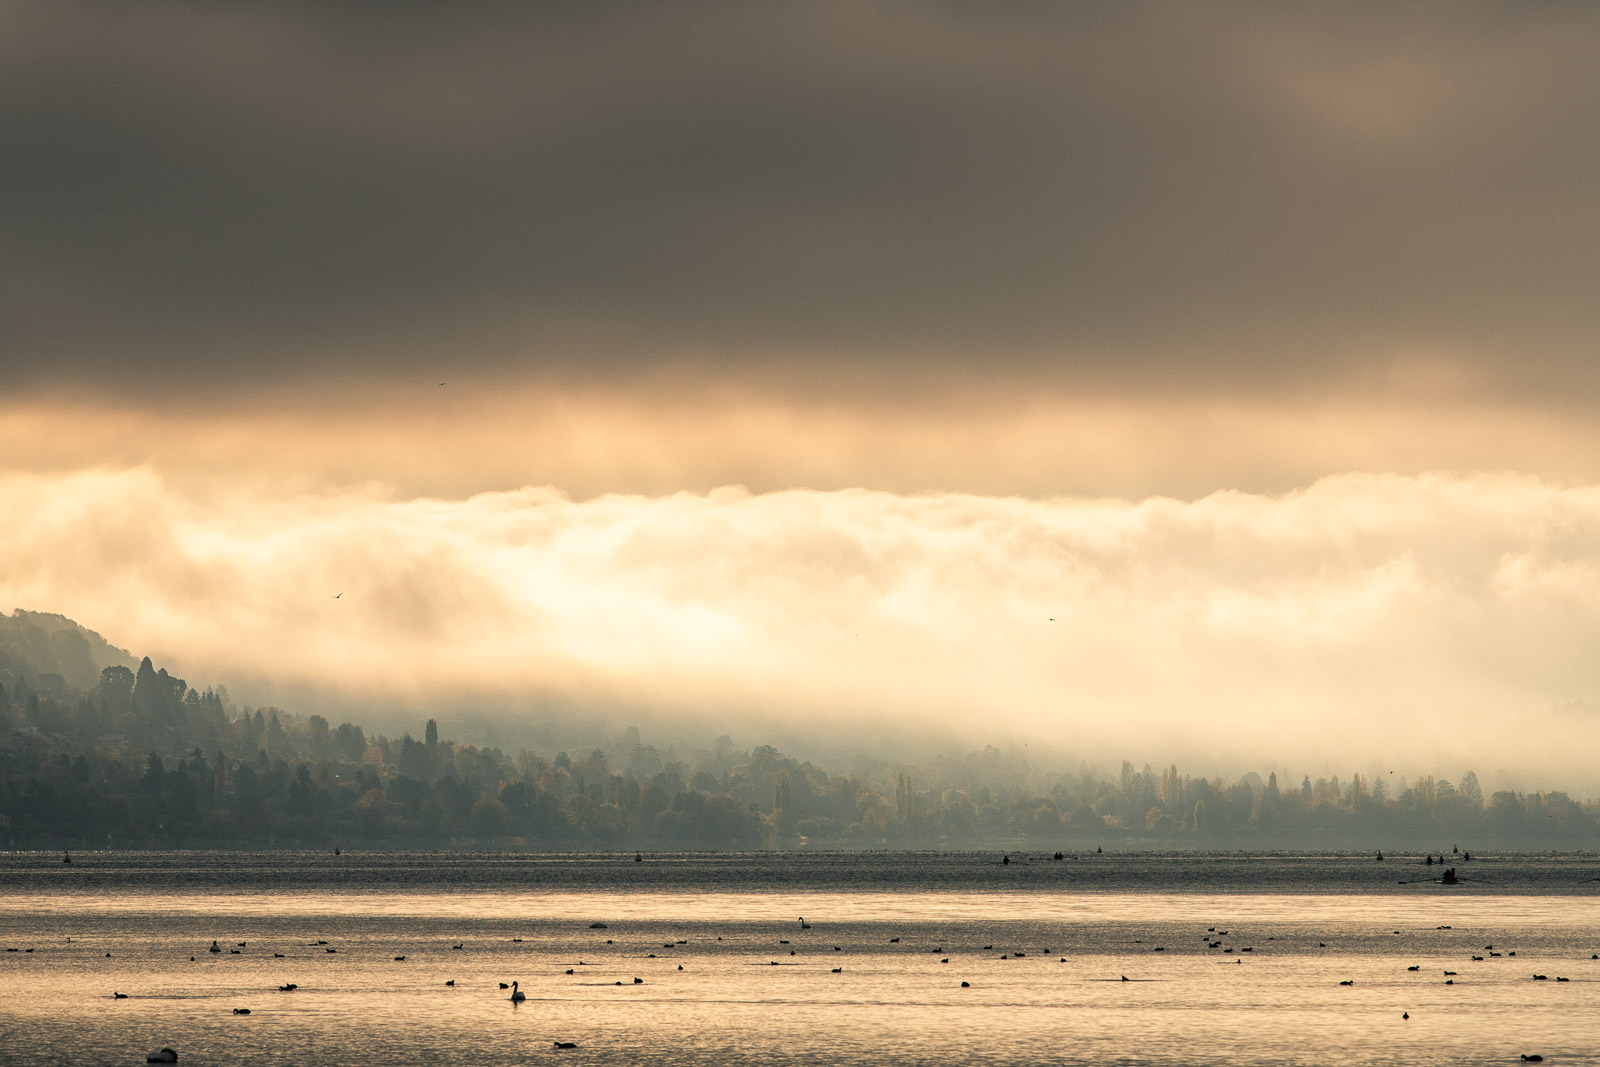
column 517, row 995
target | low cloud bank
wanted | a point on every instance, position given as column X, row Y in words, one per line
column 1429, row 622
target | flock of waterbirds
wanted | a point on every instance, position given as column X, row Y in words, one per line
column 1215, row 940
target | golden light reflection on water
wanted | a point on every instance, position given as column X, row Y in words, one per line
column 725, row 975
column 1501, row 911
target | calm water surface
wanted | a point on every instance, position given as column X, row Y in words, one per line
column 1230, row 958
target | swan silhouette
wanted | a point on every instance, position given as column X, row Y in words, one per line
column 517, row 995
column 165, row 1055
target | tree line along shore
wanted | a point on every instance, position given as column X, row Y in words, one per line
column 139, row 759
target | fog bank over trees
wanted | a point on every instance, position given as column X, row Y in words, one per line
column 1437, row 620
column 143, row 759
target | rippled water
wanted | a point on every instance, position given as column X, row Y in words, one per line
column 1229, row 959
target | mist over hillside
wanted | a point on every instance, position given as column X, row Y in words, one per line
column 36, row 645
column 142, row 758
column 1365, row 621
column 51, row 652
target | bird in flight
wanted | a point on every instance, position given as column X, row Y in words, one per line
column 336, row 596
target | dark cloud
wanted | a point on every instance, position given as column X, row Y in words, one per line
column 1202, row 196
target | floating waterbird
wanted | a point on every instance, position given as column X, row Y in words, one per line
column 167, row 1055
column 517, row 995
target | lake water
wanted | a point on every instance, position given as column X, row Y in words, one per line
column 1230, row 958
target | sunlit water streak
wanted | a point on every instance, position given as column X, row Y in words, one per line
column 1044, row 947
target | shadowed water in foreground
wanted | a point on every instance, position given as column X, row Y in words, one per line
column 701, row 959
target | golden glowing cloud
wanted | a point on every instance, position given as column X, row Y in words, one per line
column 663, row 436
column 1362, row 617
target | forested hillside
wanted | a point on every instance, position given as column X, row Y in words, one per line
column 51, row 652
column 94, row 753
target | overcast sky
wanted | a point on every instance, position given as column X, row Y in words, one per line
column 363, row 263
column 1132, row 196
